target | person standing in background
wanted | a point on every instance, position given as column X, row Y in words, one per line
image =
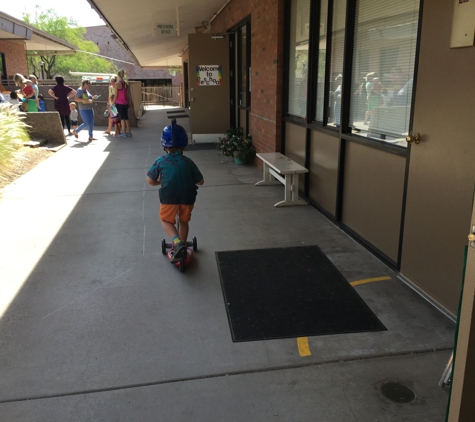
column 122, row 103
column 35, row 85
column 19, row 80
column 110, row 103
column 86, row 108
column 61, row 94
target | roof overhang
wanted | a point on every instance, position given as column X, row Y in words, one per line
column 155, row 32
column 35, row 41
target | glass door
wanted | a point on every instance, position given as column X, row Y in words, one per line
column 243, row 81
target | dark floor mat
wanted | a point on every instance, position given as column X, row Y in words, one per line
column 176, row 111
column 289, row 292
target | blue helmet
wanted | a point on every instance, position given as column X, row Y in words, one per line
column 174, row 136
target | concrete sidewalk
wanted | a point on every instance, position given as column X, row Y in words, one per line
column 97, row 325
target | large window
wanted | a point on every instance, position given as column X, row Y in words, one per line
column 378, row 85
column 298, row 57
column 383, row 68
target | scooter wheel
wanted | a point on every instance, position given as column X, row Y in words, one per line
column 164, row 247
column 195, row 244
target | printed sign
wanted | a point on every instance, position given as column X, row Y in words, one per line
column 165, row 29
column 209, row 75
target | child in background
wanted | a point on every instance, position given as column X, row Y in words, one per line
column 178, row 176
column 115, row 119
column 385, row 97
column 28, row 91
column 14, row 101
column 73, row 116
column 29, row 96
column 110, row 102
column 41, row 103
column 14, row 98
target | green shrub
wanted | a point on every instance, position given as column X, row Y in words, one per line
column 13, row 133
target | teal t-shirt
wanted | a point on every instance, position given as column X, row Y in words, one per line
column 179, row 176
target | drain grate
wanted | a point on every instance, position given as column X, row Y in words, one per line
column 397, row 392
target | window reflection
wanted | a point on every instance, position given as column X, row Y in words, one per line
column 383, row 68
column 322, row 51
column 298, row 57
column 336, row 77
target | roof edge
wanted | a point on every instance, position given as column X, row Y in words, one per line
column 38, row 32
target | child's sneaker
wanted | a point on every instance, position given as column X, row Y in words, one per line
column 122, row 135
column 128, row 134
column 178, row 252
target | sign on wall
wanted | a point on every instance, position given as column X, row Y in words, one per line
column 209, row 75
column 463, row 24
column 165, row 29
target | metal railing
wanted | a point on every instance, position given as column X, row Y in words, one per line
column 164, row 95
column 160, row 95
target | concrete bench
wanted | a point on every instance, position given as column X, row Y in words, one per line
column 286, row 171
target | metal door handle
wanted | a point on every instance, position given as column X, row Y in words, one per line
column 416, row 138
column 471, row 236
column 192, row 99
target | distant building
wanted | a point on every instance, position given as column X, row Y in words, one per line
column 104, row 38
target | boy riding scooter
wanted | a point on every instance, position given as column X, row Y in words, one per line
column 178, row 176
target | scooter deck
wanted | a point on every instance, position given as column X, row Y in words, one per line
column 182, row 263
column 188, row 259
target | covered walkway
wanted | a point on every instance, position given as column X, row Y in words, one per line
column 96, row 325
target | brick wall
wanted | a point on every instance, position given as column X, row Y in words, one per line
column 15, row 59
column 267, row 34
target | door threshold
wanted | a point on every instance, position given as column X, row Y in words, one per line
column 205, row 138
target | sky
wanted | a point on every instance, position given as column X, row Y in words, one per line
column 79, row 10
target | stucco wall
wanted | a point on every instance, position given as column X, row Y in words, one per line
column 267, row 34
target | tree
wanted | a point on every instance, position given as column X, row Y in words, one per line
column 62, row 27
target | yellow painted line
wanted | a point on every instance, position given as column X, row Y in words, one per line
column 302, row 342
column 304, row 348
column 369, row 280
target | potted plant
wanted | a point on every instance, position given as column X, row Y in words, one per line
column 233, row 144
column 229, row 143
column 245, row 151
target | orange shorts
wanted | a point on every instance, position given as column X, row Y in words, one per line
column 168, row 213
